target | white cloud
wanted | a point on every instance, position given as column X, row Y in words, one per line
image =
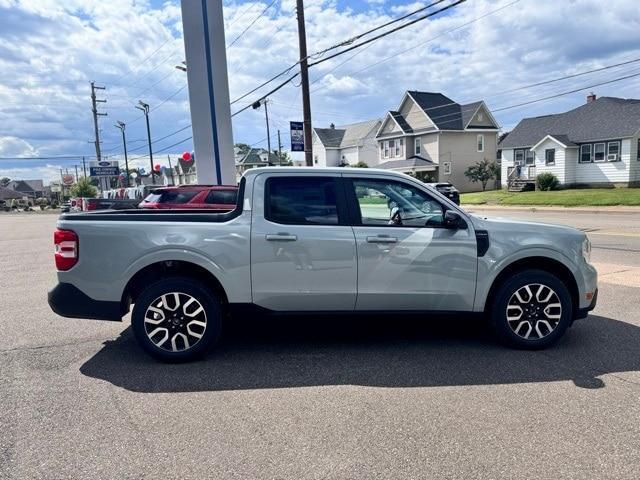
column 50, row 50
column 15, row 147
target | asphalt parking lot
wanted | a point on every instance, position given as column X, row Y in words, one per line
column 372, row 398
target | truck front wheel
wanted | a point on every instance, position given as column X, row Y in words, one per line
column 531, row 310
column 176, row 319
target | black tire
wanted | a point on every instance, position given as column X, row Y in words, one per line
column 533, row 313
column 171, row 321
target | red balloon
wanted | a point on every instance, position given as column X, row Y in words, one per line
column 186, row 156
column 157, row 167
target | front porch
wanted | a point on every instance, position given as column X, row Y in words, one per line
column 421, row 168
column 521, row 178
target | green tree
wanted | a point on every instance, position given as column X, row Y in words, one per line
column 83, row 188
column 4, row 181
column 482, row 172
column 361, row 164
column 243, row 148
column 283, row 158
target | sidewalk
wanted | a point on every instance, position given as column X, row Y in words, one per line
column 560, row 209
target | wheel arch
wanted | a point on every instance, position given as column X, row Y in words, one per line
column 167, row 268
column 546, row 264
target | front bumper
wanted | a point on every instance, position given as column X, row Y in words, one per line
column 69, row 301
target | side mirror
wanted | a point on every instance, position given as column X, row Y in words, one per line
column 453, row 220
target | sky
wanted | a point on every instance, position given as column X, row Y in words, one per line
column 50, row 51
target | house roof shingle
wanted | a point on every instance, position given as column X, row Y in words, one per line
column 397, row 116
column 602, row 119
column 8, row 194
column 411, row 162
column 346, row 135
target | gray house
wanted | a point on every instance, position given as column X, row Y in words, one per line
column 346, row 145
column 596, row 144
column 436, row 139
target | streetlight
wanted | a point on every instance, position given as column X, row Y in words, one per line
column 182, row 67
column 121, row 125
column 256, row 106
column 145, row 108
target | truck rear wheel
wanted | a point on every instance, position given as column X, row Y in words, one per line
column 176, row 319
column 531, row 310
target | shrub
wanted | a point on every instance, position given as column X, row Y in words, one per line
column 547, row 181
column 42, row 203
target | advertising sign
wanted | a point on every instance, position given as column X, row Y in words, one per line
column 104, row 169
column 297, row 136
column 68, row 179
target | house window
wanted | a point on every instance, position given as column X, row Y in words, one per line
column 381, row 149
column 598, row 152
column 585, row 153
column 417, row 146
column 386, row 149
column 481, row 143
column 447, row 168
column 315, row 159
column 518, row 157
column 392, row 147
column 550, row 156
column 480, row 117
column 613, row 151
column 530, row 157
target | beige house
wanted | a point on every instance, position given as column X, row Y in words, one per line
column 436, row 139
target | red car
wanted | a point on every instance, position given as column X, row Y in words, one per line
column 221, row 198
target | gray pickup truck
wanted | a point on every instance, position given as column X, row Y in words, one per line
column 319, row 240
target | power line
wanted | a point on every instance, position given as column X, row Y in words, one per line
column 567, row 92
column 389, row 32
column 164, row 149
column 395, row 55
column 419, row 19
column 251, row 24
column 379, row 27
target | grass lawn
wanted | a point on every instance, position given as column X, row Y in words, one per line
column 566, row 198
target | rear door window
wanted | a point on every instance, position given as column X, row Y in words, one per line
column 222, row 197
column 301, row 201
column 176, row 196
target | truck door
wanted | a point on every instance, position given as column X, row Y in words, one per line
column 407, row 260
column 303, row 252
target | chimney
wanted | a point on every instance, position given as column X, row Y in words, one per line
column 332, row 126
column 591, row 97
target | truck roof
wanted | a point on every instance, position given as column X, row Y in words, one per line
column 328, row 170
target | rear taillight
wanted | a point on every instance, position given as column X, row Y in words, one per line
column 66, row 248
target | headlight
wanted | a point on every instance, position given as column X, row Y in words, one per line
column 586, row 250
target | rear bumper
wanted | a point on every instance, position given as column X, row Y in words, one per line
column 583, row 312
column 68, row 301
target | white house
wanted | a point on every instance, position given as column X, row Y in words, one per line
column 596, row 144
column 346, row 145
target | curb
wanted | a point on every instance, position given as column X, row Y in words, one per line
column 554, row 209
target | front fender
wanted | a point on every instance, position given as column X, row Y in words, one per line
column 489, row 268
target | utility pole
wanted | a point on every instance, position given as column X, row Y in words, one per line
column 145, row 108
column 121, row 125
column 266, row 117
column 76, row 173
column 84, row 167
column 304, row 80
column 96, row 114
column 255, row 106
column 279, row 149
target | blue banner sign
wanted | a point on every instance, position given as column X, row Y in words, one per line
column 297, row 136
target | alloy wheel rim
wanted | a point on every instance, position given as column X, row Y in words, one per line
column 175, row 321
column 534, row 311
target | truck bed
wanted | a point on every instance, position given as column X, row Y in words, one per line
column 140, row 215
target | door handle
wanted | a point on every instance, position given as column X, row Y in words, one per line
column 280, row 237
column 381, row 239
